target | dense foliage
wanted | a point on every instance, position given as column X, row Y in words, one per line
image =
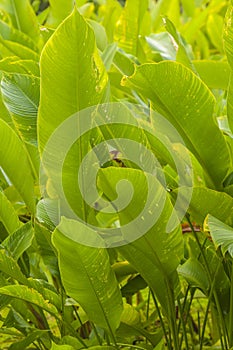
column 75, row 273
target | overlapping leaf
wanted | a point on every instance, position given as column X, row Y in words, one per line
column 185, row 101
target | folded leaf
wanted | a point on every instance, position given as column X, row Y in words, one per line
column 15, row 163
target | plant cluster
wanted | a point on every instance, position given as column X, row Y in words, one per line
column 159, row 75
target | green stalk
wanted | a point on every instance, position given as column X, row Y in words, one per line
column 96, row 333
column 172, row 316
column 183, row 326
column 207, row 310
column 231, row 310
column 161, row 320
column 210, row 279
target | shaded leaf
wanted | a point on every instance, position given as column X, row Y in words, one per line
column 21, row 95
column 19, row 241
column 30, row 295
column 14, row 161
column 8, row 215
column 222, row 234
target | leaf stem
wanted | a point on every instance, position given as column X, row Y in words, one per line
column 210, row 278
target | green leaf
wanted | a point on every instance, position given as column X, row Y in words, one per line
column 183, row 50
column 61, row 347
column 46, row 249
column 195, row 274
column 8, row 215
column 10, row 33
column 29, row 339
column 221, row 234
column 214, row 28
column 123, row 63
column 10, row 267
column 171, row 9
column 21, row 95
column 22, row 15
column 131, row 326
column 19, row 241
column 206, row 201
column 187, row 102
column 14, row 161
column 96, row 287
column 72, row 75
column 133, row 286
column 47, row 291
column 11, row 48
column 113, row 11
column 215, row 74
column 122, row 269
column 156, row 254
column 103, row 347
column 228, row 35
column 13, row 64
column 100, row 34
column 108, row 55
column 58, row 11
column 30, row 295
column 228, row 45
column 161, row 44
column 131, row 26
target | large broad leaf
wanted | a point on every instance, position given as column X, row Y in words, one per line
column 228, row 35
column 10, row 33
column 22, row 15
column 72, row 75
column 214, row 29
column 11, row 48
column 29, row 339
column 87, row 275
column 154, row 252
column 14, row 161
column 132, row 25
column 206, row 201
column 222, row 234
column 8, row 215
column 112, row 11
column 215, row 74
column 228, row 44
column 185, row 101
column 171, row 9
column 58, row 11
column 19, row 241
column 13, row 64
column 30, row 295
column 103, row 347
column 193, row 271
column 21, row 95
column 131, row 325
column 46, row 249
column 61, row 347
column 10, row 267
column 184, row 54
